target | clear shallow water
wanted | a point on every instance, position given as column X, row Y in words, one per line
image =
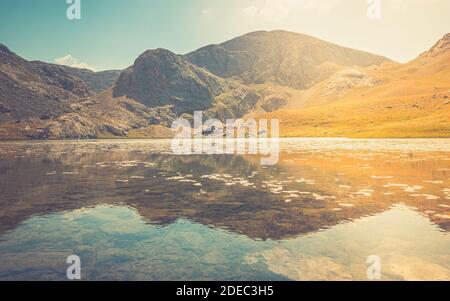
column 133, row 211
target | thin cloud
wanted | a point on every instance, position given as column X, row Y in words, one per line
column 71, row 61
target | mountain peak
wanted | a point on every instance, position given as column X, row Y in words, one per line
column 282, row 57
column 160, row 77
column 3, row 48
column 6, row 53
column 276, row 32
column 444, row 42
column 158, row 58
column 157, row 52
column 441, row 47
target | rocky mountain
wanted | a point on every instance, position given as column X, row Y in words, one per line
column 315, row 88
column 280, row 57
column 388, row 100
column 442, row 47
column 96, row 81
column 161, row 78
column 35, row 89
column 147, row 97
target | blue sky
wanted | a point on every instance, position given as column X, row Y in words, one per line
column 112, row 33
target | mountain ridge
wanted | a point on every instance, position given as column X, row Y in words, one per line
column 32, row 89
column 403, row 100
column 285, row 58
column 305, row 82
column 160, row 78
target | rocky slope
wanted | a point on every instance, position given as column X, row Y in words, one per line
column 147, row 98
column 442, row 47
column 161, row 78
column 389, row 100
column 34, row 89
column 284, row 58
column 96, row 81
column 315, row 88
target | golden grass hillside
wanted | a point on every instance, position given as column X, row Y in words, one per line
column 387, row 101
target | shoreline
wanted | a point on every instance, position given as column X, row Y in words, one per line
column 165, row 138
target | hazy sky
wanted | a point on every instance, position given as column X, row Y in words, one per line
column 112, row 33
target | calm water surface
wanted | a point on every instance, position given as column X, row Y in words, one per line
column 133, row 211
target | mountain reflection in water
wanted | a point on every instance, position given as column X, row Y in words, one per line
column 133, row 210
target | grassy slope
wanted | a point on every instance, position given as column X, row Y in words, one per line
column 411, row 100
